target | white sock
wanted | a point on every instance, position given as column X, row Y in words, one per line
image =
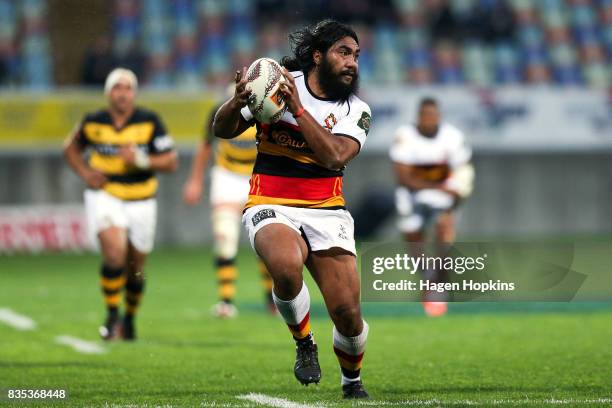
column 349, row 351
column 296, row 312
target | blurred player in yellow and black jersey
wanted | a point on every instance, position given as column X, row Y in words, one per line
column 236, row 155
column 233, row 165
column 128, row 145
column 143, row 129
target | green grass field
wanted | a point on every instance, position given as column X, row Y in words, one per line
column 477, row 355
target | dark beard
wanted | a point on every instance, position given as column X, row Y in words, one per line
column 333, row 87
column 428, row 132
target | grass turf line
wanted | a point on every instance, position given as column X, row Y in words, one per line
column 187, row 358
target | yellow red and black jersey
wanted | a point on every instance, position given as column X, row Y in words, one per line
column 143, row 129
column 236, row 155
column 287, row 172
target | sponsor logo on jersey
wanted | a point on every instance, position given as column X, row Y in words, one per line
column 286, row 139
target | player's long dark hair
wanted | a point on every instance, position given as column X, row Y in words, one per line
column 318, row 37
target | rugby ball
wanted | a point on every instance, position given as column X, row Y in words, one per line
column 267, row 102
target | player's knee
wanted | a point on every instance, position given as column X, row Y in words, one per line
column 445, row 230
column 283, row 264
column 446, row 237
column 135, row 270
column 136, row 276
column 414, row 236
column 226, row 227
column 287, row 286
column 346, row 311
column 286, row 273
column 226, row 245
column 115, row 256
column 347, row 318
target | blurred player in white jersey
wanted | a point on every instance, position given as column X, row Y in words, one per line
column 432, row 164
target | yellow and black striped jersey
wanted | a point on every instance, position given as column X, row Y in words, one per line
column 238, row 154
column 144, row 129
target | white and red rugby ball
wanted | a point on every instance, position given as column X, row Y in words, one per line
column 267, row 102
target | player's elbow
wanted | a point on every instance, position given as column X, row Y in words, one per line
column 340, row 153
column 173, row 163
column 65, row 152
column 219, row 130
column 167, row 163
column 216, row 127
column 220, row 127
column 335, row 162
column 68, row 149
column 330, row 161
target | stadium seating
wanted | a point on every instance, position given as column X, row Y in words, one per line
column 25, row 49
column 186, row 43
column 560, row 42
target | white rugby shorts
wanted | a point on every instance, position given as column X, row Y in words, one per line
column 416, row 210
column 322, row 229
column 137, row 217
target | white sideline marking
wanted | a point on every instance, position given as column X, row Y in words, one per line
column 16, row 320
column 268, row 401
column 79, row 345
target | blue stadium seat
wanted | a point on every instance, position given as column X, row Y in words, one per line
column 477, row 64
column 388, row 63
column 506, row 63
column 564, row 66
column 187, row 41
